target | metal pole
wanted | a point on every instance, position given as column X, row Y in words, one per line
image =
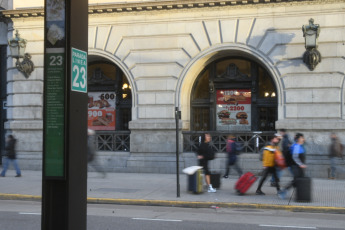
column 177, row 116
column 64, row 177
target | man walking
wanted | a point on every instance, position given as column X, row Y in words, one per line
column 298, row 162
column 335, row 155
column 10, row 156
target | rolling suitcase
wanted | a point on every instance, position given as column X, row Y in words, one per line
column 195, row 182
column 215, row 180
column 245, row 182
column 303, row 189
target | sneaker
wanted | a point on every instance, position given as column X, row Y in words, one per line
column 18, row 175
column 210, row 189
column 259, row 192
column 282, row 194
column 225, row 176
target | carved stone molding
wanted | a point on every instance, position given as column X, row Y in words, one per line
column 160, row 5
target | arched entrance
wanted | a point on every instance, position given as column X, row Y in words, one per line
column 233, row 94
column 233, row 79
column 110, row 104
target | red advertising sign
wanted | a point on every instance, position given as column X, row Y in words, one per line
column 101, row 110
column 234, row 109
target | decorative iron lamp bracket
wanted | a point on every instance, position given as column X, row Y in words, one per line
column 17, row 48
column 311, row 56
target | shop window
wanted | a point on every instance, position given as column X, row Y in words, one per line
column 201, row 86
column 110, row 97
column 266, row 87
column 267, row 118
column 201, row 119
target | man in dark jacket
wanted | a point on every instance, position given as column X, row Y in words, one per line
column 335, row 155
column 286, row 144
column 10, row 156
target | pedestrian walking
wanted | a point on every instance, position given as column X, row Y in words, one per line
column 10, row 156
column 298, row 162
column 268, row 163
column 284, row 145
column 286, row 148
column 232, row 154
column 205, row 154
column 279, row 171
column 91, row 154
column 335, row 156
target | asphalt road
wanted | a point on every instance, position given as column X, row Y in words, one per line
column 19, row 215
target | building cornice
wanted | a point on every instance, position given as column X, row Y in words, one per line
column 157, row 5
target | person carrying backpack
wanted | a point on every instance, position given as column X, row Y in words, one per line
column 205, row 154
column 285, row 144
column 298, row 162
column 268, row 163
column 232, row 152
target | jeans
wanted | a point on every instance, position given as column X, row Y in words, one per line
column 279, row 174
column 334, row 168
column 6, row 164
column 236, row 166
column 297, row 173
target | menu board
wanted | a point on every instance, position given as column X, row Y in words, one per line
column 101, row 110
column 233, row 110
column 54, row 88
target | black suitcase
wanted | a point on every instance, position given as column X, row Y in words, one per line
column 195, row 182
column 215, row 180
column 303, row 189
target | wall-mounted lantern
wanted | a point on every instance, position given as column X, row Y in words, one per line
column 17, row 49
column 311, row 56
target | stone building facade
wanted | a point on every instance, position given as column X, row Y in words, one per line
column 156, row 56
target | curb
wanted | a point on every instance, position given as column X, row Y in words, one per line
column 189, row 204
column 4, row 196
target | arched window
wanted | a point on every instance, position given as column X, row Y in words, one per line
column 110, row 98
column 233, row 94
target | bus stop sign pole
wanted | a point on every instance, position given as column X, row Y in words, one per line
column 64, row 177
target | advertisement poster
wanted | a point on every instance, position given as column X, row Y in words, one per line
column 234, row 110
column 101, row 110
column 54, row 88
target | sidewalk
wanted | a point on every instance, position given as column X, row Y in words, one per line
column 160, row 189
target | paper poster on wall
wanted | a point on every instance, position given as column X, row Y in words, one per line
column 101, row 110
column 234, row 110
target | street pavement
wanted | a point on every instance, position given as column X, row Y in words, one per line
column 161, row 189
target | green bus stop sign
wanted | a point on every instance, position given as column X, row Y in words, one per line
column 79, row 71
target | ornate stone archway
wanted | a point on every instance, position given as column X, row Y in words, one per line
column 196, row 65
